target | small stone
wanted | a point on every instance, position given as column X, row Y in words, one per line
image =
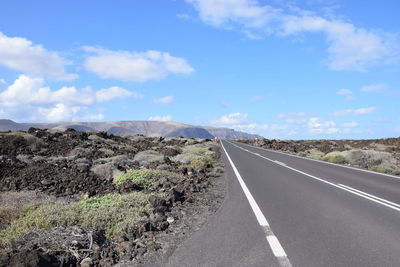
column 87, row 262
column 170, row 219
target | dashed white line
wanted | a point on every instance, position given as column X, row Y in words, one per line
column 277, row 162
column 349, row 189
column 273, row 241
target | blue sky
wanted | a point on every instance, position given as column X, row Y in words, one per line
column 301, row 69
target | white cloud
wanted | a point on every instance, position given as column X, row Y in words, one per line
column 60, row 112
column 250, row 126
column 281, row 116
column 115, row 92
column 294, row 117
column 349, row 47
column 297, row 114
column 227, row 12
column 160, row 118
column 318, row 126
column 27, row 98
column 344, row 92
column 134, row 66
column 234, row 118
column 354, row 112
column 296, row 121
column 22, row 55
column 350, row 124
column 164, row 100
column 374, row 87
column 31, row 91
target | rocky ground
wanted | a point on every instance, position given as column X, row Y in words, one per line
column 93, row 199
column 382, row 155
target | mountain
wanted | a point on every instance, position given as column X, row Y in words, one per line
column 147, row 128
column 9, row 125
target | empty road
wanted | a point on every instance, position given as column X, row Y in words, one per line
column 283, row 210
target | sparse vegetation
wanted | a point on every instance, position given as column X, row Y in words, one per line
column 197, row 156
column 105, row 189
column 336, row 158
column 107, row 152
column 113, row 212
column 145, row 177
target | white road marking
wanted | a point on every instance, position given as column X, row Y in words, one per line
column 362, row 192
column 273, row 241
column 321, row 161
column 277, row 162
column 370, row 197
column 277, row 249
column 349, row 189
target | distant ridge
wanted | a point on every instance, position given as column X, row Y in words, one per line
column 147, row 128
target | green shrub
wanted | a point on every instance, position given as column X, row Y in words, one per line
column 114, row 213
column 197, row 156
column 314, row 156
column 110, row 200
column 107, row 152
column 386, row 169
column 190, row 142
column 144, row 178
column 336, row 158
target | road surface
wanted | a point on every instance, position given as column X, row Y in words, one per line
column 283, row 210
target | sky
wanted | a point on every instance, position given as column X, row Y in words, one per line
column 300, row 69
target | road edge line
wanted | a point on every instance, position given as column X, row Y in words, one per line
column 272, row 240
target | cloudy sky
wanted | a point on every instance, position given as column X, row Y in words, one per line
column 299, row 69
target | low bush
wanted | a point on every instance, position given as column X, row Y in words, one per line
column 144, row 178
column 148, row 156
column 114, row 213
column 336, row 158
column 107, row 152
column 197, row 156
column 386, row 169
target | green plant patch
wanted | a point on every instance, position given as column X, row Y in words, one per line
column 144, row 178
column 336, row 158
column 385, row 169
column 114, row 213
column 110, row 200
column 107, row 152
column 190, row 142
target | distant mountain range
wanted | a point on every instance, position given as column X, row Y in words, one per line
column 147, row 128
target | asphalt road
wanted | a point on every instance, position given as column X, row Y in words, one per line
column 306, row 212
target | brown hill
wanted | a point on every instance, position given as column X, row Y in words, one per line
column 147, row 128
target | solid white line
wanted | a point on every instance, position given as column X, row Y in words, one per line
column 369, row 196
column 273, row 241
column 256, row 209
column 357, row 192
column 325, row 162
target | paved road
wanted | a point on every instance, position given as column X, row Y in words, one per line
column 306, row 212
